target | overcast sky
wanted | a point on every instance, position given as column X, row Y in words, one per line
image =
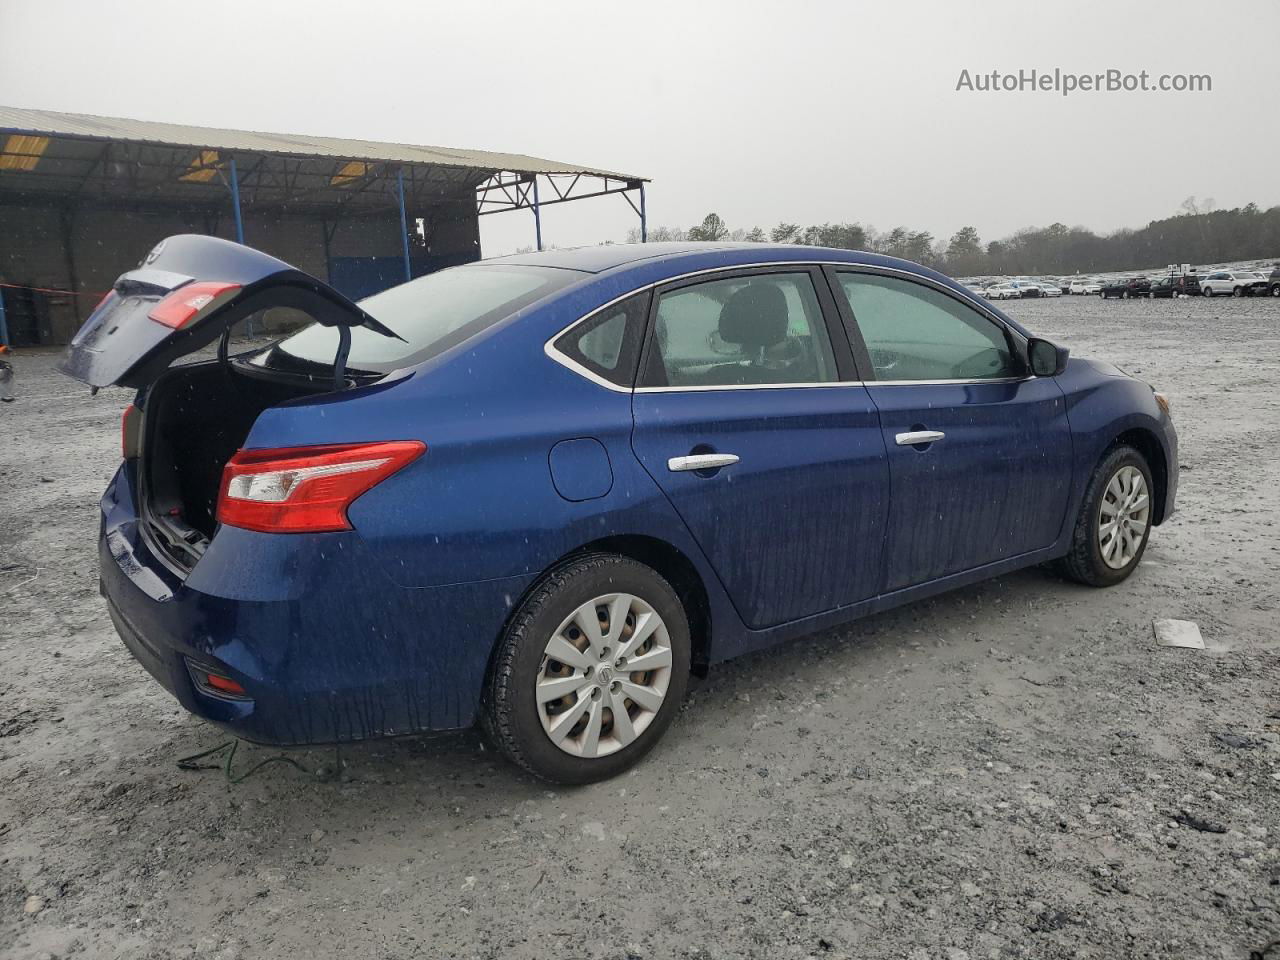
column 798, row 111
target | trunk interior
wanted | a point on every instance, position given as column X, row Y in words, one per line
column 196, row 418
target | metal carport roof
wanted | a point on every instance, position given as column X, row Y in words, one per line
column 46, row 152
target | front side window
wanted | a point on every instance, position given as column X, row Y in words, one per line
column 914, row 332
column 741, row 331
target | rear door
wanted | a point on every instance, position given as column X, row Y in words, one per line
column 980, row 453
column 187, row 291
column 748, row 415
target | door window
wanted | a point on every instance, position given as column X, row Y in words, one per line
column 913, row 332
column 740, row 331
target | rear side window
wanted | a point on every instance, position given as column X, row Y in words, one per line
column 608, row 344
column 741, row 331
column 914, row 332
column 432, row 314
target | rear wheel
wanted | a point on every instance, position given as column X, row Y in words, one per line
column 1207, row 291
column 590, row 672
column 1237, row 292
column 1275, row 291
column 1115, row 518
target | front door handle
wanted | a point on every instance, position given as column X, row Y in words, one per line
column 913, row 437
column 701, row 461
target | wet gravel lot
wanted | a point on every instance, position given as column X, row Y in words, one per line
column 1010, row 770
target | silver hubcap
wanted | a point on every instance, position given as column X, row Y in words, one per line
column 1123, row 517
column 604, row 675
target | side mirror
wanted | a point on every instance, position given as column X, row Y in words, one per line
column 1046, row 359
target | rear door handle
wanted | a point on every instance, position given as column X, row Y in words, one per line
column 919, row 436
column 701, row 461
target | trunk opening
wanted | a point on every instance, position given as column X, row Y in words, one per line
column 195, row 418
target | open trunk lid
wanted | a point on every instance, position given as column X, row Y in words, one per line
column 183, row 296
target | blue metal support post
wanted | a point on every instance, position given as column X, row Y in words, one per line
column 235, row 201
column 404, row 227
column 644, row 223
column 537, row 214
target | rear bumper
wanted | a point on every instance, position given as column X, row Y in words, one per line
column 327, row 648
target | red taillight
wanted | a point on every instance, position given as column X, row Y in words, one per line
column 177, row 309
column 129, row 423
column 306, row 489
column 223, row 684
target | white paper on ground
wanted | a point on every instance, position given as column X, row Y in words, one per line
column 1178, row 633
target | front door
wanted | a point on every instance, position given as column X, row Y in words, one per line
column 980, row 454
column 776, row 466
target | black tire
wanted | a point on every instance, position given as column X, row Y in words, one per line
column 1275, row 291
column 1084, row 562
column 1238, row 292
column 1124, row 294
column 509, row 713
column 1207, row 292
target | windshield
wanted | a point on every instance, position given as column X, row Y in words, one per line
column 432, row 314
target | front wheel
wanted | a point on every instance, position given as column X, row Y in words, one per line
column 590, row 672
column 1115, row 519
column 1207, row 291
column 1238, row 292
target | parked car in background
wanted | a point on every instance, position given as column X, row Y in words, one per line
column 1188, row 286
column 1125, row 288
column 1273, row 282
column 1003, row 291
column 539, row 491
column 1026, row 288
column 1083, row 285
column 976, row 288
column 1234, row 283
column 1049, row 288
column 1162, row 287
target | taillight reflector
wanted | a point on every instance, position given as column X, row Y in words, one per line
column 182, row 305
column 224, row 684
column 306, row 489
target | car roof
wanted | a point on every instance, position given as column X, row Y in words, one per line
column 641, row 263
column 602, row 257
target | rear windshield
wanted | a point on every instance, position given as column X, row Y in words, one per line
column 432, row 314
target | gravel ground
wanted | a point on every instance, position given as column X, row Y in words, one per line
column 1010, row 770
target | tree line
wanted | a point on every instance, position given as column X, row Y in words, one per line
column 1196, row 234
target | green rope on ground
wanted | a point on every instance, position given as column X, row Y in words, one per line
column 230, row 747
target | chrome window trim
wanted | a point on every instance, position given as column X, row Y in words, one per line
column 549, row 348
column 751, row 386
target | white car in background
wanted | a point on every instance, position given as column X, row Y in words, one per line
column 1049, row 288
column 1003, row 291
column 1234, row 283
column 1085, row 286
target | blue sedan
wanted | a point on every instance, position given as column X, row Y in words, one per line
column 539, row 491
